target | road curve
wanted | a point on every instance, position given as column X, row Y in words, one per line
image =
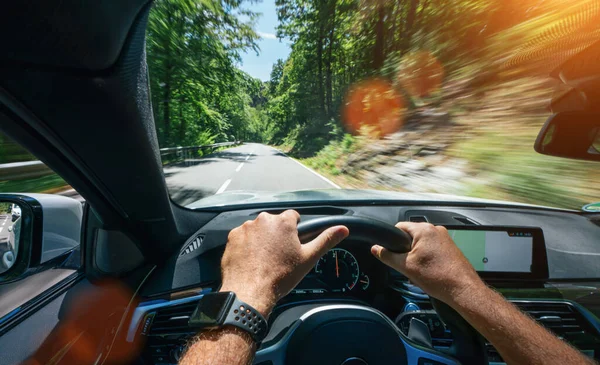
column 250, row 167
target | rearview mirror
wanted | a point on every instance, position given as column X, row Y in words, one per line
column 36, row 230
column 572, row 134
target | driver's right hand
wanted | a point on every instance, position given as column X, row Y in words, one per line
column 434, row 263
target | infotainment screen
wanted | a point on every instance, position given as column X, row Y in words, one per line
column 503, row 252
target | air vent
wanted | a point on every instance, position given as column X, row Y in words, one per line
column 173, row 319
column 192, row 246
column 562, row 318
column 417, row 219
column 466, row 221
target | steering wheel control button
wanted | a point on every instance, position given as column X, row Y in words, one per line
column 354, row 361
column 411, row 307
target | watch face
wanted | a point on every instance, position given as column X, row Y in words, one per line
column 210, row 309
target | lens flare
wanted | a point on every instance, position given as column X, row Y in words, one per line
column 373, row 104
column 420, row 74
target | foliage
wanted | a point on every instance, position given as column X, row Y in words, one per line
column 45, row 184
column 508, row 168
column 198, row 94
column 327, row 158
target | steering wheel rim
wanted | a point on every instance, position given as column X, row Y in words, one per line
column 361, row 228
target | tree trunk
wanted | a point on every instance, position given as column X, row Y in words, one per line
column 167, row 86
column 167, row 100
column 379, row 38
column 328, row 76
column 424, row 23
column 182, row 123
column 320, row 67
column 410, row 21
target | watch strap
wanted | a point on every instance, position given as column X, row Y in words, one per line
column 247, row 318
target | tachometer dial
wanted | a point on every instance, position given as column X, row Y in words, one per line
column 338, row 269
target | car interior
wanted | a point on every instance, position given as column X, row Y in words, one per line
column 126, row 294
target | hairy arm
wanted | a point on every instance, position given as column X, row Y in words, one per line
column 517, row 337
column 228, row 345
column 263, row 261
column 437, row 265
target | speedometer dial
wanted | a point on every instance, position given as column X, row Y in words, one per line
column 338, row 269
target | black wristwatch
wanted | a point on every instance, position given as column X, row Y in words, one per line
column 216, row 310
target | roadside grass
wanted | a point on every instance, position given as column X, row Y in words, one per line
column 49, row 183
column 502, row 165
column 328, row 159
column 506, row 167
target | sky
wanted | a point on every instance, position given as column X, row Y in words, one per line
column 271, row 49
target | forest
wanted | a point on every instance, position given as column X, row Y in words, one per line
column 411, row 48
column 468, row 78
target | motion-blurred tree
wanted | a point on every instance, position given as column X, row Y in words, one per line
column 192, row 49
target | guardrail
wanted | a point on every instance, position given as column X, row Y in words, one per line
column 35, row 169
column 187, row 153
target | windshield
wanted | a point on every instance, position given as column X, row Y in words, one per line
column 419, row 96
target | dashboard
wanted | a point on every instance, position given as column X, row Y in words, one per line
column 519, row 251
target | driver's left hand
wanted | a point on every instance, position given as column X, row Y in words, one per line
column 264, row 259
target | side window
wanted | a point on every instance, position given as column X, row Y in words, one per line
column 23, row 175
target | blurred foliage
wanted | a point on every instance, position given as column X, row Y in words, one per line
column 437, row 55
column 507, row 167
column 199, row 96
column 46, row 184
column 5, row 208
column 416, row 45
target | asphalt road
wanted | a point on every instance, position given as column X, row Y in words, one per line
column 250, row 167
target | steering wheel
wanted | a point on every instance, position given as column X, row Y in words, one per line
column 350, row 334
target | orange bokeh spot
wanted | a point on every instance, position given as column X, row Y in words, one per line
column 373, row 104
column 90, row 319
column 420, row 74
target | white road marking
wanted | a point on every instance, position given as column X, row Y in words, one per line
column 239, row 167
column 247, row 157
column 575, row 252
column 1, row 228
column 311, row 170
column 223, row 187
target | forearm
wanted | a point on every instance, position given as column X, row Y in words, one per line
column 229, row 345
column 518, row 338
column 223, row 346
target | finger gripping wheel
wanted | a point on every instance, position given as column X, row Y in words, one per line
column 361, row 228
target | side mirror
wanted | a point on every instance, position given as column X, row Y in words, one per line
column 572, row 134
column 35, row 229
